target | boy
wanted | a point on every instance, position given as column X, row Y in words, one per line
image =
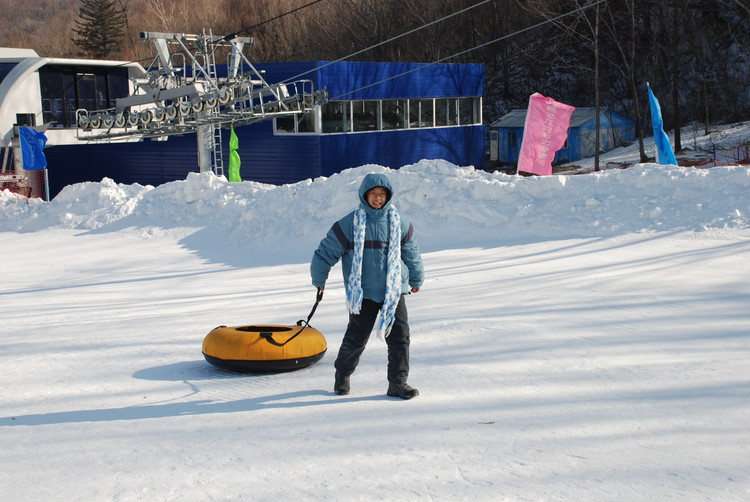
column 380, row 260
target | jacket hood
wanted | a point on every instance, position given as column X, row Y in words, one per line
column 373, row 180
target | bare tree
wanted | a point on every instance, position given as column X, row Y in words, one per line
column 696, row 48
column 742, row 6
column 582, row 29
column 626, row 48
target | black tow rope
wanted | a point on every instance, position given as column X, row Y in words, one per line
column 269, row 336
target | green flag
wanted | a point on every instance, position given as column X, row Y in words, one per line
column 234, row 158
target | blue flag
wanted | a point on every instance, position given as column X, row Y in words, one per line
column 664, row 154
column 32, row 149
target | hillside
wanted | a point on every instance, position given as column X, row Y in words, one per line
column 694, row 52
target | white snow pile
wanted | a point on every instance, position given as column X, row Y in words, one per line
column 578, row 338
column 451, row 206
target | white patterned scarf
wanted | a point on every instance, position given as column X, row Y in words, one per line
column 393, row 270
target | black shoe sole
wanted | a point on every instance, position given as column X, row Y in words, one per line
column 411, row 396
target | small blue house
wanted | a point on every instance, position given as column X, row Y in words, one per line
column 614, row 130
column 391, row 114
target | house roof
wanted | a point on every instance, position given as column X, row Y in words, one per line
column 514, row 118
column 517, row 118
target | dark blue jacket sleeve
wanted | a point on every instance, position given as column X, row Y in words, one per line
column 411, row 256
column 329, row 252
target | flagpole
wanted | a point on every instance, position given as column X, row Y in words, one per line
column 46, row 185
column 523, row 136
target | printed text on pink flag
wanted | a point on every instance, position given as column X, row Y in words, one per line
column 544, row 133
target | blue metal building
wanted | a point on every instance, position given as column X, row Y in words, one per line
column 391, row 114
column 614, row 130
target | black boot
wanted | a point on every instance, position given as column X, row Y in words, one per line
column 402, row 390
column 341, row 386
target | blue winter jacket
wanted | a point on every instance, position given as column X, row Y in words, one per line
column 338, row 244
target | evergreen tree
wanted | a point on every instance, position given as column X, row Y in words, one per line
column 100, row 28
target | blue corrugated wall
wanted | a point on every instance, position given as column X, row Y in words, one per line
column 290, row 158
column 147, row 162
column 274, row 159
column 463, row 146
column 401, row 80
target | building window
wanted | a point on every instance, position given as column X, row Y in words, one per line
column 299, row 123
column 67, row 89
column 394, row 114
column 446, row 112
column 421, row 113
column 466, row 110
column 512, row 139
column 25, row 119
column 336, row 116
column 365, row 115
column 285, row 124
column 86, row 85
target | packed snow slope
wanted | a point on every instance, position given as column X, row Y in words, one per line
column 581, row 337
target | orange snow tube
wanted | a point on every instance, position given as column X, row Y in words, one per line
column 267, row 348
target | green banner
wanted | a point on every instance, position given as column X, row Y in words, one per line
column 234, row 158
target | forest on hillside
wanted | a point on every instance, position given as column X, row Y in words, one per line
column 694, row 53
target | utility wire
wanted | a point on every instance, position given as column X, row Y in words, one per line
column 528, row 28
column 389, row 40
column 245, row 30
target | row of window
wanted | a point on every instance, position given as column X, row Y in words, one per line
column 64, row 90
column 385, row 115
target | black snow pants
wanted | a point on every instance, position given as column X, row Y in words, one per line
column 358, row 333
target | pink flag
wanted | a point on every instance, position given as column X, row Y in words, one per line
column 544, row 133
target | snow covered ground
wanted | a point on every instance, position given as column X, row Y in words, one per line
column 581, row 337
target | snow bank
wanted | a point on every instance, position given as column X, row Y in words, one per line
column 440, row 198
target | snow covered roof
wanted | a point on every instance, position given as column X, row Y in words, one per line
column 517, row 118
column 514, row 118
column 11, row 53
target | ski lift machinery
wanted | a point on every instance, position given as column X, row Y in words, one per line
column 181, row 93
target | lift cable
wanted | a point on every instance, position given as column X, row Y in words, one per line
column 523, row 30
